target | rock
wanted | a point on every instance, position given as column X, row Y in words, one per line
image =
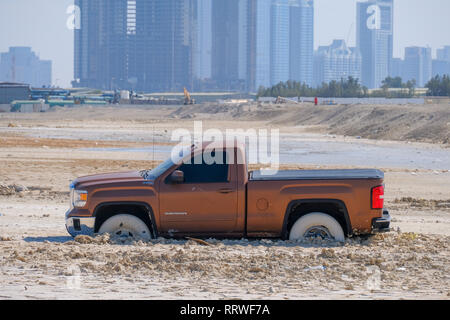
column 315, row 268
column 19, row 188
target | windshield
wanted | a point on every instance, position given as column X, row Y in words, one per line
column 177, row 155
column 159, row 170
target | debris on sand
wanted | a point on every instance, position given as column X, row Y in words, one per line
column 424, row 203
column 322, row 268
column 9, row 190
column 6, row 190
column 101, row 239
column 199, row 241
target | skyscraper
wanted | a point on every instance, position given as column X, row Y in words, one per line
column 417, row 65
column 336, row 62
column 101, row 44
column 203, row 44
column 259, row 43
column 229, row 47
column 441, row 65
column 443, row 54
column 396, row 68
column 301, row 41
column 375, row 40
column 279, row 42
column 21, row 64
column 134, row 44
column 165, row 42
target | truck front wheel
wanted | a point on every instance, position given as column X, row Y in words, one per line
column 125, row 225
column 317, row 224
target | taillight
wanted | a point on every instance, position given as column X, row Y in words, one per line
column 378, row 197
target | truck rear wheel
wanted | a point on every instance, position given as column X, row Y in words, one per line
column 126, row 225
column 317, row 224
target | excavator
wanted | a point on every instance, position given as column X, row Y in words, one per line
column 187, row 98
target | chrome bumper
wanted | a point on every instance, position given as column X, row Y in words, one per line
column 382, row 224
column 80, row 226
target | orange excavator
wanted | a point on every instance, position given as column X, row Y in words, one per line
column 187, row 98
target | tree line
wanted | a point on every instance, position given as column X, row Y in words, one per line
column 352, row 88
column 439, row 86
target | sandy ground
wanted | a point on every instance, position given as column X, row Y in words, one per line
column 41, row 153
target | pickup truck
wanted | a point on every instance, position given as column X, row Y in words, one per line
column 193, row 198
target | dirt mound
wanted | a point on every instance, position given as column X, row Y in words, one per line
column 427, row 123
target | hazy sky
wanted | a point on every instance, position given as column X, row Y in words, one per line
column 41, row 24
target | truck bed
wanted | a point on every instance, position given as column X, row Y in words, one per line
column 318, row 175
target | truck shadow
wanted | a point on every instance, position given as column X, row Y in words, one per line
column 59, row 239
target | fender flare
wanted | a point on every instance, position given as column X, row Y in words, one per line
column 131, row 203
column 293, row 203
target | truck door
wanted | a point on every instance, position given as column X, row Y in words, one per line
column 206, row 202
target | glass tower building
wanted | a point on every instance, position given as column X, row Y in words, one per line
column 259, row 44
column 101, row 44
column 280, row 38
column 202, row 59
column 301, row 41
column 375, row 40
column 417, row 65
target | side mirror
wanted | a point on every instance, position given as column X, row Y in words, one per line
column 177, row 177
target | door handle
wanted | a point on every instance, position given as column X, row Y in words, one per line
column 226, row 190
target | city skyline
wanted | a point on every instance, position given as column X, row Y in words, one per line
column 57, row 44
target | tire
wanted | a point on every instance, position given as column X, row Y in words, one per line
column 317, row 223
column 125, row 225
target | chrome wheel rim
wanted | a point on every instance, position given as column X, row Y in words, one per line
column 318, row 232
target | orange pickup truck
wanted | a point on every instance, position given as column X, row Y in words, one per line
column 193, row 198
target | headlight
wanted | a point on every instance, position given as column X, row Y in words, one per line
column 79, row 198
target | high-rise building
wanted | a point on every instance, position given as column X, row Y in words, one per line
column 134, row 44
column 375, row 40
column 440, row 68
column 301, row 41
column 443, row 54
column 396, row 68
column 417, row 65
column 259, row 44
column 101, row 44
column 165, row 43
column 336, row 62
column 280, row 39
column 280, row 42
column 203, row 43
column 22, row 65
column 229, row 49
column 441, row 65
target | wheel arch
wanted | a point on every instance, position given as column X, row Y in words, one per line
column 333, row 207
column 142, row 210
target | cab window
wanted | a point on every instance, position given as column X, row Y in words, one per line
column 204, row 172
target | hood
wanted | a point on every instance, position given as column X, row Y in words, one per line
column 115, row 177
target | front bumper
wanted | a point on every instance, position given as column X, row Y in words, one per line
column 382, row 224
column 80, row 225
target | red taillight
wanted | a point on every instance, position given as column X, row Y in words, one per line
column 378, row 197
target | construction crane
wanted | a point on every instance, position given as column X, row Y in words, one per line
column 187, row 98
